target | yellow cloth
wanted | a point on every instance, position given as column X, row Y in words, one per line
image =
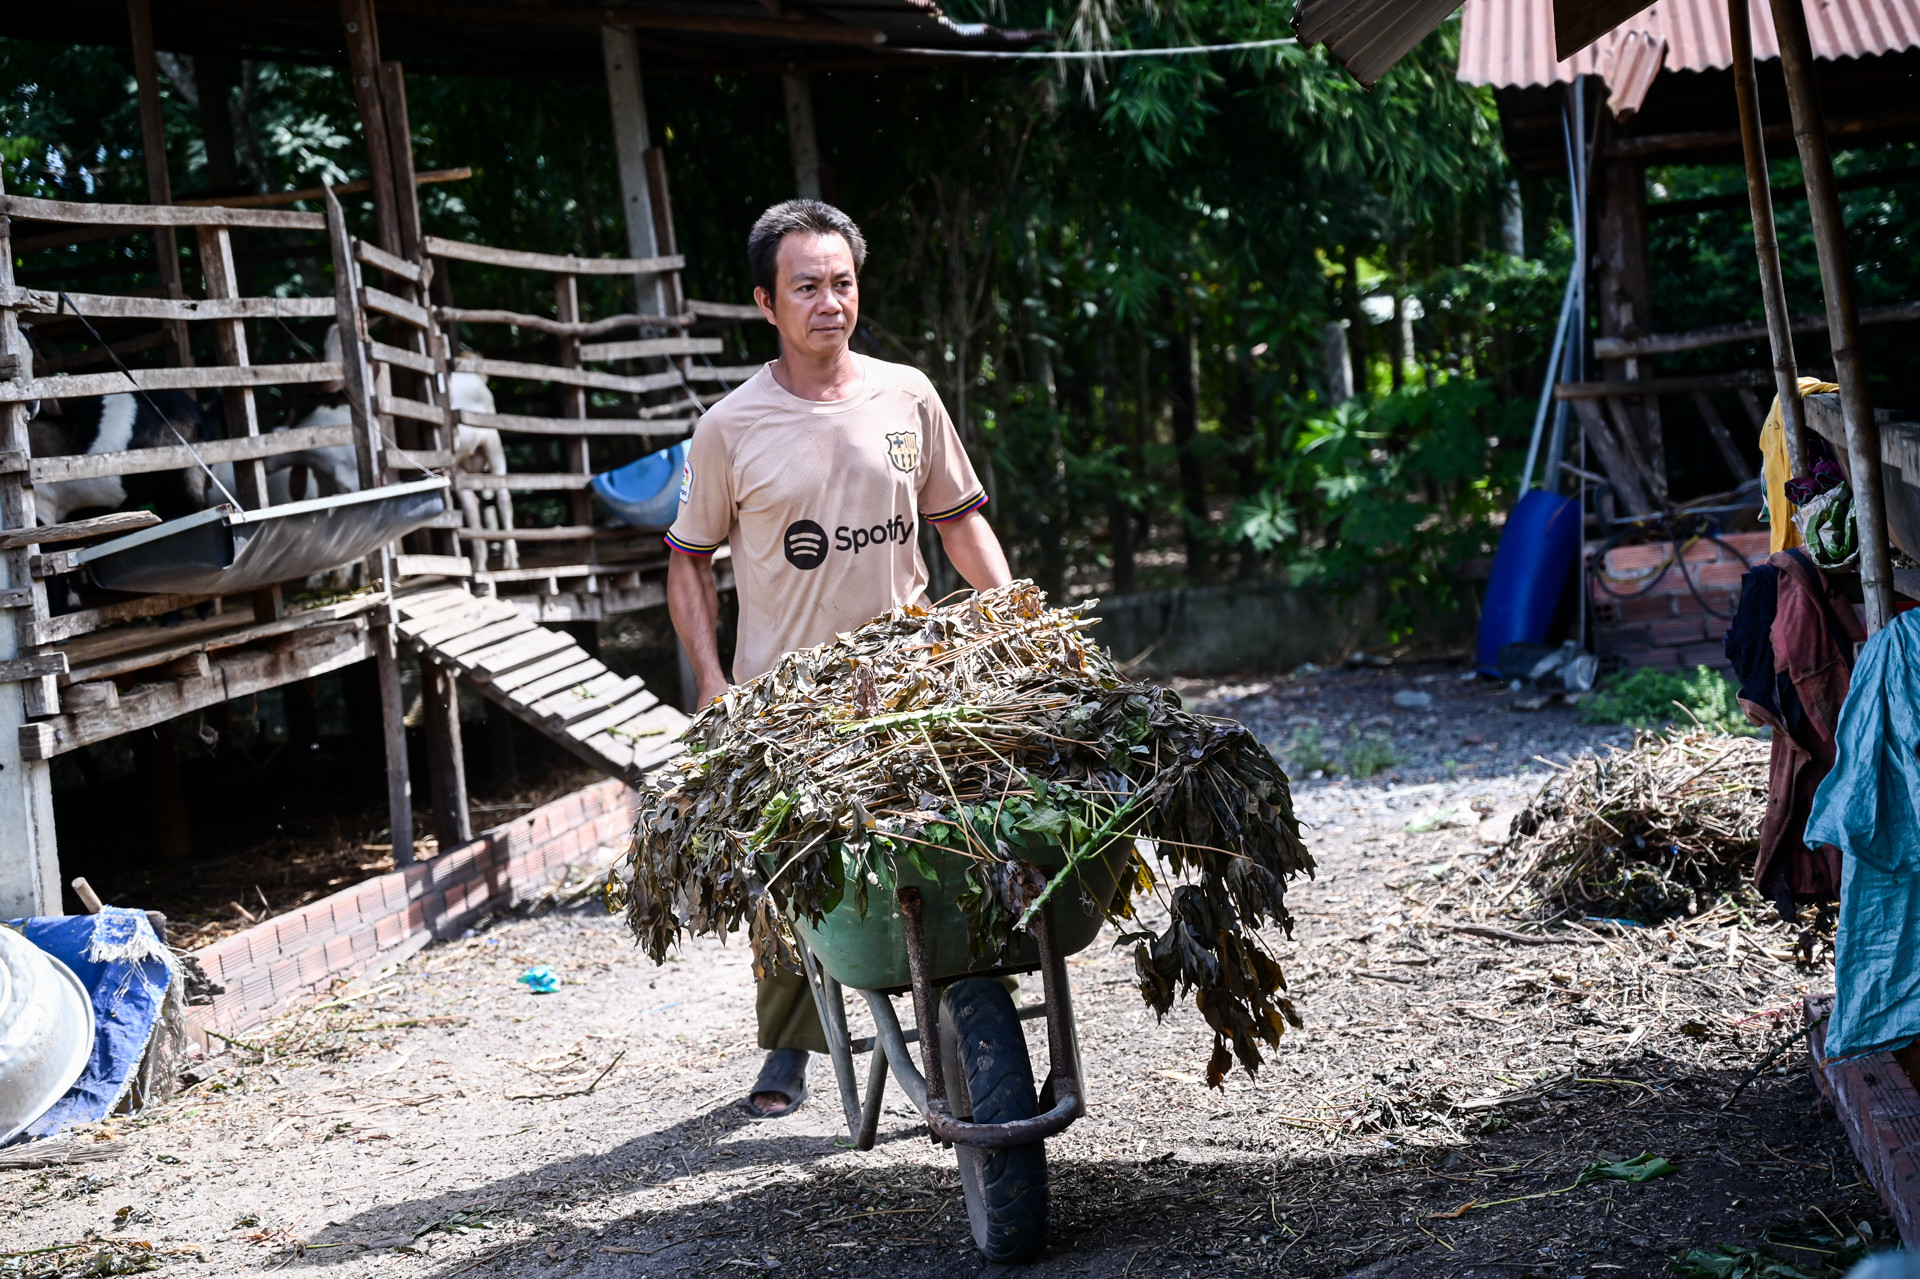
column 1775, row 470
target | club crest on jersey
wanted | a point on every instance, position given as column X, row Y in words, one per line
column 903, row 450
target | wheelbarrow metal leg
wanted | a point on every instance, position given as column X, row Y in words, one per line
column 876, row 1091
column 926, row 1005
column 893, row 1041
column 830, row 1002
column 1063, row 1037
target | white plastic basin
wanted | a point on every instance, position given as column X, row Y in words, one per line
column 46, row 1032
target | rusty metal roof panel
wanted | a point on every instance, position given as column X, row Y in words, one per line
column 1509, row 43
column 1368, row 36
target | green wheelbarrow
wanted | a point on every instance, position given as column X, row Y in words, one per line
column 975, row 1087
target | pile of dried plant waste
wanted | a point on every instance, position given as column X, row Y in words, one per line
column 1650, row 832
column 987, row 738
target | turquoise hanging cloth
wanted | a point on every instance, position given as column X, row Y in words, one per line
column 1869, row 808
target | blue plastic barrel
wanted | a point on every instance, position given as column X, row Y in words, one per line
column 1537, row 551
column 645, row 493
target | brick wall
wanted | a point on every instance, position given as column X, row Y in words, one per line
column 1875, row 1101
column 304, row 952
column 1664, row 624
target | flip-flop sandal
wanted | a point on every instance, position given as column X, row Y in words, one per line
column 785, row 1072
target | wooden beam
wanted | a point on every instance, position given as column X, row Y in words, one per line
column 406, row 190
column 362, row 31
column 1660, row 385
column 658, row 428
column 147, row 215
column 238, row 673
column 99, row 526
column 626, row 100
column 446, row 755
column 599, row 352
column 1667, row 144
column 802, row 141
column 55, row 388
column 430, row 177
column 174, row 457
column 1748, row 331
column 29, row 857
column 153, row 146
column 568, row 377
column 541, row 324
column 108, row 306
column 486, row 254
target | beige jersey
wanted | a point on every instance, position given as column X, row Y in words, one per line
column 821, row 503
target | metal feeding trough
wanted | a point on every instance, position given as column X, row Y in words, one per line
column 224, row 550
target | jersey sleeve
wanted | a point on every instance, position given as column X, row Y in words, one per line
column 948, row 486
column 707, row 505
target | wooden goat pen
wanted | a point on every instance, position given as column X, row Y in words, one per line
column 80, row 668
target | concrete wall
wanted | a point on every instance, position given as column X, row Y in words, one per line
column 1268, row 626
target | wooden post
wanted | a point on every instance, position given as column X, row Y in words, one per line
column 243, row 418
column 801, row 137
column 1626, row 307
column 370, row 454
column 621, row 49
column 153, row 143
column 363, row 70
column 406, row 191
column 1843, row 317
column 1766, row 243
column 29, row 856
column 446, row 755
column 575, row 456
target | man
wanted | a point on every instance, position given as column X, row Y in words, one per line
column 817, row 471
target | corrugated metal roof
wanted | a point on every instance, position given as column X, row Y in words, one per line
column 1368, row 36
column 1509, row 43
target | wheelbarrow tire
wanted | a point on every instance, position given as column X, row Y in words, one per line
column 990, row 1080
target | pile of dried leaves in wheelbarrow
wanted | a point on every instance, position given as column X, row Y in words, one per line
column 989, row 731
column 1653, row 831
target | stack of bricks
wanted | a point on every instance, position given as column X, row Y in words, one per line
column 1663, row 622
column 309, row 951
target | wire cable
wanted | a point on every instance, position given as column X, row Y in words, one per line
column 60, row 309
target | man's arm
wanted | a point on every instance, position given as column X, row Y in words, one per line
column 975, row 551
column 693, row 600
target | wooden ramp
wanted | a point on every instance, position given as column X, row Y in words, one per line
column 545, row 679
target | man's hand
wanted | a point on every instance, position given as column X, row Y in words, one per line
column 693, row 600
column 975, row 551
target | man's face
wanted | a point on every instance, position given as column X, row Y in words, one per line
column 816, row 298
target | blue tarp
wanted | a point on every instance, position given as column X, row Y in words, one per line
column 127, row 970
column 1869, row 808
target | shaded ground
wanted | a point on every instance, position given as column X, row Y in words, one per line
column 1432, row 1118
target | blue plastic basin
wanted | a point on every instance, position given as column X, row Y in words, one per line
column 645, row 493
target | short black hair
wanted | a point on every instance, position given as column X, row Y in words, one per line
column 816, row 217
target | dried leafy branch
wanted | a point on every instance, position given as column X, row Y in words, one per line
column 1647, row 831
column 991, row 737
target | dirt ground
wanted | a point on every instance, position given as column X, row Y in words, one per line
column 1433, row 1118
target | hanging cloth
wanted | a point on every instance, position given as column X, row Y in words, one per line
column 1811, row 638
column 1869, row 808
column 1776, row 470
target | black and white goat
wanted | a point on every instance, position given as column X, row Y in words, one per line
column 95, row 424
column 334, row 469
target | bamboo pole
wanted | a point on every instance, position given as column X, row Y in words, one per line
column 1843, row 317
column 1766, row 243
